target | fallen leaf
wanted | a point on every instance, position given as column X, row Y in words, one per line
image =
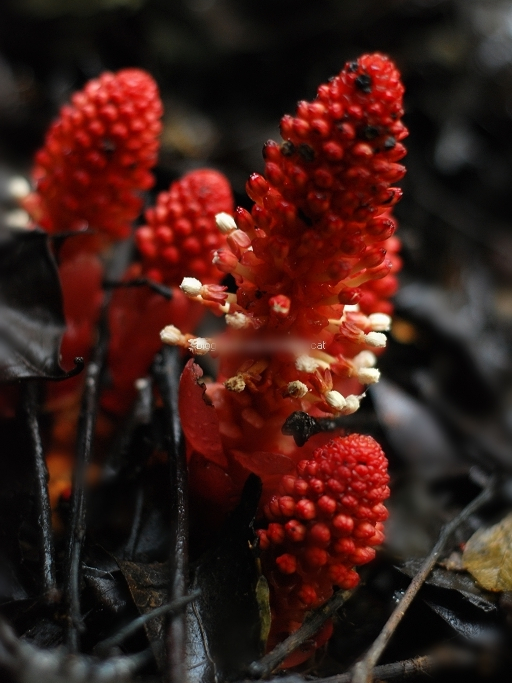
column 488, row 556
column 31, row 314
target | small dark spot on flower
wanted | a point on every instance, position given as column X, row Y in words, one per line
column 305, row 219
column 389, row 142
column 287, row 148
column 108, row 146
column 306, row 152
column 352, row 66
column 369, row 132
column 364, row 83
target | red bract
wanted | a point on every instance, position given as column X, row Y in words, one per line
column 325, row 519
column 97, row 158
column 180, row 235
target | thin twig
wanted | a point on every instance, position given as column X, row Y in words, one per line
column 157, row 287
column 84, row 445
column 44, row 512
column 362, row 672
column 167, row 369
column 175, row 607
column 444, row 658
column 309, row 628
column 85, row 435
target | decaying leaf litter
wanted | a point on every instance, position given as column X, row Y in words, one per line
column 449, row 363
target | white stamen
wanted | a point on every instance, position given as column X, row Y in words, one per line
column 351, row 308
column 237, row 320
column 307, row 364
column 171, row 335
column 281, row 308
column 352, row 404
column 191, row 286
column 297, row 389
column 18, row 187
column 215, row 258
column 376, row 339
column 199, row 346
column 17, row 218
column 365, row 359
column 236, row 384
column 225, row 223
column 368, row 375
column 379, row 322
column 335, row 400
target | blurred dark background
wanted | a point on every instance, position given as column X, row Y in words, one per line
column 228, row 70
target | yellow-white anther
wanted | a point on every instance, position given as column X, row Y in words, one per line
column 237, row 320
column 199, row 346
column 225, row 223
column 335, row 400
column 172, row 335
column 191, row 286
column 307, row 364
column 281, row 306
column 236, row 384
column 17, row 218
column 365, row 359
column 375, row 339
column 368, row 375
column 351, row 308
column 297, row 389
column 352, row 404
column 18, row 187
column 379, row 322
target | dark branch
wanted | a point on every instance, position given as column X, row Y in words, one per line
column 362, row 672
column 309, row 628
column 167, row 370
column 175, row 607
column 140, row 282
column 44, row 513
column 84, row 445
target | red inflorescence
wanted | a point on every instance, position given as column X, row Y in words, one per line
column 326, row 519
column 179, row 238
column 180, row 234
column 97, row 158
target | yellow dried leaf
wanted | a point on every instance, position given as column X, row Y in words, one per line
column 488, row 556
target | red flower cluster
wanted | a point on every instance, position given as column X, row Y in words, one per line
column 181, row 230
column 97, row 157
column 179, row 238
column 305, row 255
column 313, row 274
column 325, row 519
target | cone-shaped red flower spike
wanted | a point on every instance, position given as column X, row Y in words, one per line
column 325, row 519
column 303, row 258
column 178, row 240
column 97, row 157
column 180, row 234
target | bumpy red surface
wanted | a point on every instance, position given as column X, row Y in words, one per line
column 97, row 157
column 325, row 520
column 180, row 234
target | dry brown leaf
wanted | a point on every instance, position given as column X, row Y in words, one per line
column 488, row 556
